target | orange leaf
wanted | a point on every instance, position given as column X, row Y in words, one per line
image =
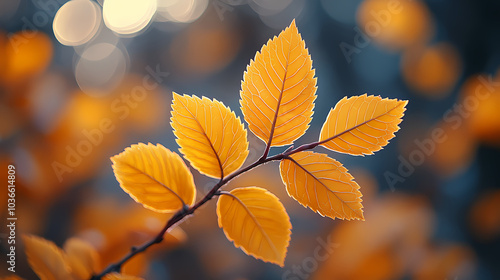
column 155, row 177
column 361, row 125
column 322, row 184
column 210, row 135
column 278, row 89
column 82, row 257
column 78, row 261
column 257, row 222
column 117, row 276
column 47, row 260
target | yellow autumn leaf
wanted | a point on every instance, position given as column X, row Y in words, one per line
column 210, row 135
column 82, row 257
column 78, row 260
column 155, row 177
column 361, row 125
column 257, row 222
column 117, row 276
column 47, row 260
column 278, row 89
column 322, row 184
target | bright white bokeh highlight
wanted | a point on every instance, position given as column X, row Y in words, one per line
column 128, row 17
column 76, row 22
column 180, row 10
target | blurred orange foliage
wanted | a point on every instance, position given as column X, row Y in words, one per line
column 27, row 54
column 456, row 152
column 399, row 227
column 131, row 226
column 445, row 262
column 484, row 216
column 395, row 24
column 481, row 95
column 432, row 70
column 206, row 47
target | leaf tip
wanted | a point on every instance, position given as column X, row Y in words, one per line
column 404, row 103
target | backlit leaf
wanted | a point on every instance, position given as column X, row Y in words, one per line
column 47, row 260
column 361, row 125
column 78, row 261
column 155, row 177
column 117, row 276
column 322, row 184
column 210, row 135
column 278, row 89
column 82, row 257
column 257, row 222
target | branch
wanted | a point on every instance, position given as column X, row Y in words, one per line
column 186, row 211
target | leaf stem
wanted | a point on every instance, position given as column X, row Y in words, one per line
column 186, row 211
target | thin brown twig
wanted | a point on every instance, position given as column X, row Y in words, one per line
column 186, row 211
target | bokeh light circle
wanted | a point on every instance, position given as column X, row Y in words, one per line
column 180, row 10
column 268, row 8
column 27, row 54
column 76, row 22
column 395, row 25
column 128, row 16
column 100, row 68
column 432, row 70
column 279, row 16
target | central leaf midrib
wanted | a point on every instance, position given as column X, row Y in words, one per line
column 316, row 178
column 273, row 125
column 154, row 179
column 208, row 139
column 358, row 125
column 264, row 233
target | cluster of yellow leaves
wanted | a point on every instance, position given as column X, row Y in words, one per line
column 277, row 101
column 77, row 260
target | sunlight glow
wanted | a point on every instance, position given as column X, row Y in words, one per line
column 128, row 16
column 76, row 22
column 180, row 10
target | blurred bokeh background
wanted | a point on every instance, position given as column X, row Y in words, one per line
column 82, row 80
